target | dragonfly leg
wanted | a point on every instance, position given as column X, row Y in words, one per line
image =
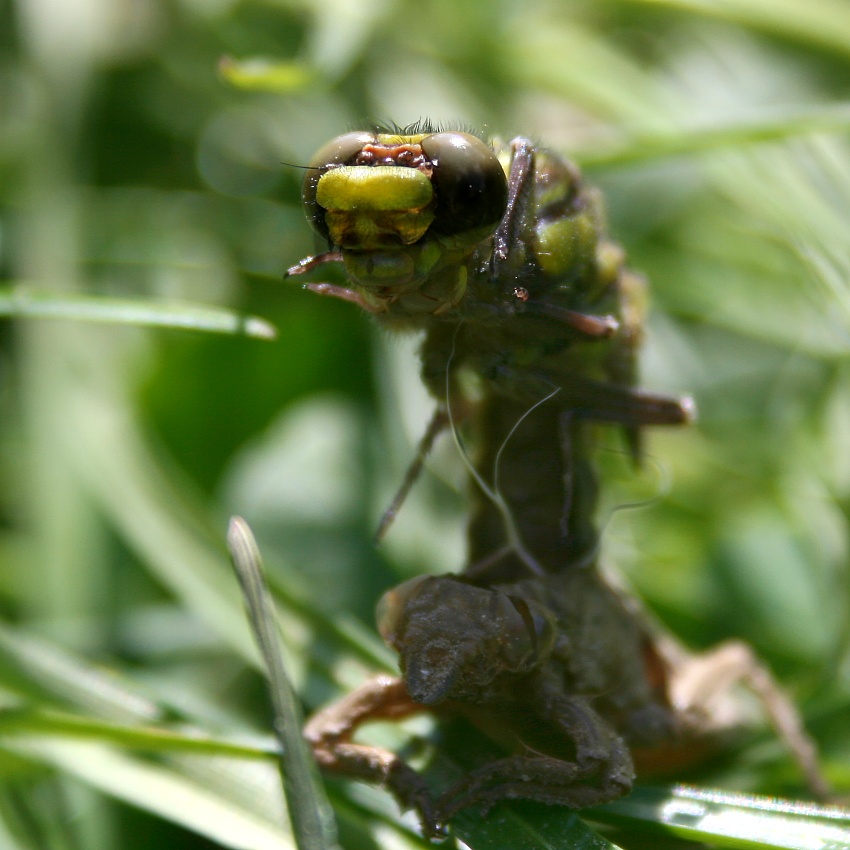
column 697, row 684
column 600, row 771
column 330, row 730
column 439, row 422
column 313, row 262
column 602, row 401
column 344, row 294
column 587, row 324
column 520, row 180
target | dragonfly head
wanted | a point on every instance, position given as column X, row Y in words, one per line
column 454, row 639
column 393, row 205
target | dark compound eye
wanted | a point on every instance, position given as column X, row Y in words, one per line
column 468, row 180
column 339, row 151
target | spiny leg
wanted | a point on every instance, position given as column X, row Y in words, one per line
column 330, row 730
column 519, row 186
column 589, row 325
column 439, row 422
column 602, row 401
column 702, row 678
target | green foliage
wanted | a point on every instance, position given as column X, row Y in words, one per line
column 149, row 182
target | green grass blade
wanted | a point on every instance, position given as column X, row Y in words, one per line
column 32, row 721
column 41, row 672
column 36, row 669
column 731, row 820
column 767, row 126
column 528, row 826
column 161, row 790
column 21, row 302
column 310, row 812
column 12, row 833
column 819, row 24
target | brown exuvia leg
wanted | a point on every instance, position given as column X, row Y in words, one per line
column 601, row 771
column 697, row 683
column 330, row 730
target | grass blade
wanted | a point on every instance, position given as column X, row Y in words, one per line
column 761, row 127
column 309, row 810
column 21, row 302
column 158, row 789
column 56, row 724
column 731, row 820
column 823, row 24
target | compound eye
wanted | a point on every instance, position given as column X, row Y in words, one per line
column 469, row 183
column 339, row 151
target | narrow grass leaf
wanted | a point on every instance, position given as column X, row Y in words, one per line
column 766, row 126
column 528, row 826
column 26, row 721
column 160, row 790
column 731, row 820
column 10, row 829
column 821, row 24
column 34, row 668
column 309, row 810
column 21, row 302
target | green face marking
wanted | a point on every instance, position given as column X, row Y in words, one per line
column 370, row 207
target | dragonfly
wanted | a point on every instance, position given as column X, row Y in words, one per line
column 498, row 254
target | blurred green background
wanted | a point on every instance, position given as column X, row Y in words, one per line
column 149, row 151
